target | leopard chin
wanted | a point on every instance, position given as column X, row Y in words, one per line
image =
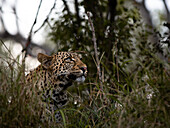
column 80, row 79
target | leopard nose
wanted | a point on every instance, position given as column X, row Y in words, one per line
column 84, row 69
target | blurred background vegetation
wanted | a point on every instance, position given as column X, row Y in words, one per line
column 134, row 89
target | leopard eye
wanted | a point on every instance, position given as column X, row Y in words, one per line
column 68, row 59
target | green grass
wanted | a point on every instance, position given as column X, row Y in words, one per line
column 119, row 104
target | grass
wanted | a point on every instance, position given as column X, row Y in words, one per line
column 142, row 100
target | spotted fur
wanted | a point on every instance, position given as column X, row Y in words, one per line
column 54, row 75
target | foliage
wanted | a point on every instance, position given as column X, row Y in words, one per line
column 134, row 76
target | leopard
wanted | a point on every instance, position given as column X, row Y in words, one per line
column 53, row 76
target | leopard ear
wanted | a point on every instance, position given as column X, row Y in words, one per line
column 45, row 60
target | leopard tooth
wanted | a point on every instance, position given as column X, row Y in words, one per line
column 80, row 79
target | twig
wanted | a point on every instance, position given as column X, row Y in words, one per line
column 167, row 11
column 66, row 7
column 35, row 21
column 95, row 49
column 30, row 33
column 46, row 20
column 77, row 11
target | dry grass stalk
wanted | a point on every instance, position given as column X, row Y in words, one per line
column 95, row 50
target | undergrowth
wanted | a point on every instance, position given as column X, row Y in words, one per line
column 142, row 100
column 17, row 108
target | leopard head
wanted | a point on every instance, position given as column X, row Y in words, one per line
column 65, row 64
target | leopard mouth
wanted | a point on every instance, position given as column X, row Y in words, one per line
column 81, row 78
column 77, row 78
